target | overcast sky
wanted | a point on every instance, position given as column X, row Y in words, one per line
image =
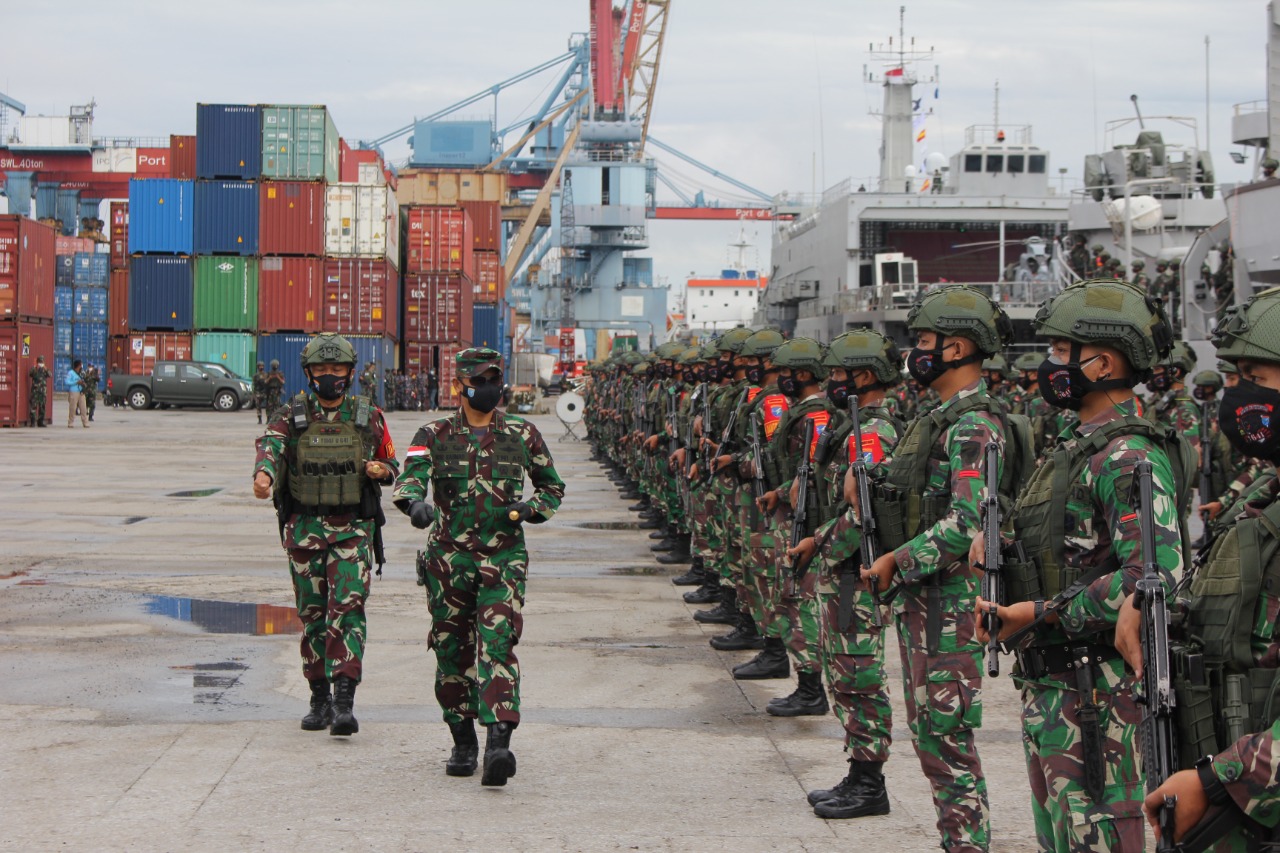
column 745, row 85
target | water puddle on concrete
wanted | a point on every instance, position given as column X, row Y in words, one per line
column 194, row 493
column 608, row 525
column 226, row 617
column 211, row 681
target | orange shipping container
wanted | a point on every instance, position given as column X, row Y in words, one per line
column 118, row 303
column 20, row 345
column 437, row 307
column 490, row 278
column 139, row 352
column 27, row 269
column 438, row 239
column 182, row 157
column 486, row 224
column 360, row 297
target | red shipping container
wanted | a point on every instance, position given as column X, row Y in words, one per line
column 118, row 303
column 420, row 357
column 438, row 239
column 486, row 224
column 289, row 294
column 437, row 307
column 64, row 245
column 350, row 160
column 138, row 353
column 20, row 344
column 119, row 225
column 27, row 269
column 489, row 278
column 182, row 157
column 360, row 297
column 291, row 218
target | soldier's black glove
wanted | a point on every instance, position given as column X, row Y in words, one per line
column 519, row 512
column 421, row 514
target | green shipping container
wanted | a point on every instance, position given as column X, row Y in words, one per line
column 235, row 351
column 226, row 293
column 299, row 143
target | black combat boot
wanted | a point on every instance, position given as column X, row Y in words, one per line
column 708, row 592
column 808, row 700
column 660, row 534
column 678, row 554
column 652, row 522
column 724, row 613
column 499, row 760
column 344, row 698
column 663, row 545
column 693, row 577
column 741, row 638
column 630, row 493
column 466, row 748
column 772, row 662
column 642, row 506
column 321, row 713
column 862, row 793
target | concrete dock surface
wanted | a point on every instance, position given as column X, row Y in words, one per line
column 151, row 686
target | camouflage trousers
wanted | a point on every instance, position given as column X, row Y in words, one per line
column 853, row 663
column 801, row 615
column 761, row 572
column 1067, row 819
column 706, row 538
column 36, row 409
column 330, row 585
column 475, row 598
column 943, row 695
column 90, row 403
column 750, row 523
column 724, row 519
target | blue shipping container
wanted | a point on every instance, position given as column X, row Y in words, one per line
column 226, row 218
column 286, row 348
column 62, row 337
column 63, row 304
column 161, row 216
column 161, row 290
column 228, row 141
column 62, row 364
column 89, row 340
column 484, row 326
column 91, row 269
column 89, row 304
column 65, row 270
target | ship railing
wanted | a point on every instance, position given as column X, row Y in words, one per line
column 1246, row 107
column 1010, row 295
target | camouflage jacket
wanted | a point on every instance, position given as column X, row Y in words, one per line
column 260, row 383
column 473, row 479
column 39, row 377
column 790, row 437
column 840, row 539
column 276, row 448
column 1177, row 409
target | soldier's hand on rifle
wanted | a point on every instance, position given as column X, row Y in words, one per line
column 262, row 486
column 697, row 425
column 794, row 494
column 723, row 462
column 1128, row 640
column 676, row 460
column 1192, row 802
column 851, row 490
column 693, row 472
column 768, row 502
column 1011, row 617
column 1212, row 508
column 977, row 549
column 881, row 572
column 651, row 443
column 803, row 553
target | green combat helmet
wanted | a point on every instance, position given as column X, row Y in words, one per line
column 670, row 350
column 957, row 310
column 1117, row 314
column 996, row 364
column 690, row 356
column 802, row 354
column 327, row 348
column 1225, row 367
column 1028, row 362
column 1138, row 264
column 1182, row 359
column 762, row 344
column 867, row 349
column 1175, row 263
column 1269, row 166
column 732, row 340
column 1208, row 379
column 1097, row 249
column 1251, row 330
column 641, row 368
column 709, row 351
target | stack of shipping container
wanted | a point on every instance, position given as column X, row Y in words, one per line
column 80, row 308
column 27, row 281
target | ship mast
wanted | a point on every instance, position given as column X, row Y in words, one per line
column 898, row 77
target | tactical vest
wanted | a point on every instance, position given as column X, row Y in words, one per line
column 326, row 472
column 831, row 495
column 902, row 509
column 451, row 464
column 1042, row 523
column 1221, row 694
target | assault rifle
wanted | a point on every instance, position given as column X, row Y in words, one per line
column 1206, row 473
column 992, row 561
column 707, row 457
column 867, row 525
column 726, row 435
column 800, row 512
column 757, row 458
column 1157, row 735
column 673, row 438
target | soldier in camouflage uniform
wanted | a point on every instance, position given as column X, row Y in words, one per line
column 37, row 393
column 928, row 512
column 92, row 378
column 1230, row 614
column 1033, row 406
column 275, row 387
column 369, row 382
column 1085, row 779
column 1139, row 276
column 323, row 456
column 863, row 363
column 995, row 370
column 475, row 462
column 1078, row 258
column 1170, row 403
column 260, row 391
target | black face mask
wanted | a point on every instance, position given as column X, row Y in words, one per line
column 789, row 386
column 1161, row 382
column 1204, row 395
column 1247, row 416
column 1026, row 380
column 485, row 398
column 329, row 387
column 711, row 373
column 755, row 374
column 926, row 365
column 1065, row 385
column 839, row 392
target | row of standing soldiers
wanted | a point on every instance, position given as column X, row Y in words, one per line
column 819, row 503
column 412, row 391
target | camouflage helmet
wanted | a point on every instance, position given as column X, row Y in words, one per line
column 1110, row 313
column 1225, row 367
column 640, row 368
column 762, row 344
column 1208, row 379
column 1097, row 249
column 275, row 364
column 262, row 365
column 1182, row 358
column 1251, row 330
column 1162, row 264
column 732, row 340
column 996, row 363
column 957, row 310
column 866, row 349
column 691, row 355
column 802, row 354
column 709, row 352
column 328, row 348
column 1271, row 163
column 1028, row 361
column 1138, row 264
column 670, row 350
column 1175, row 263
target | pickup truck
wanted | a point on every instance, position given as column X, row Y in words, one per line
column 183, row 383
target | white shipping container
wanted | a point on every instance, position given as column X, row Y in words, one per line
column 362, row 222
column 370, row 175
